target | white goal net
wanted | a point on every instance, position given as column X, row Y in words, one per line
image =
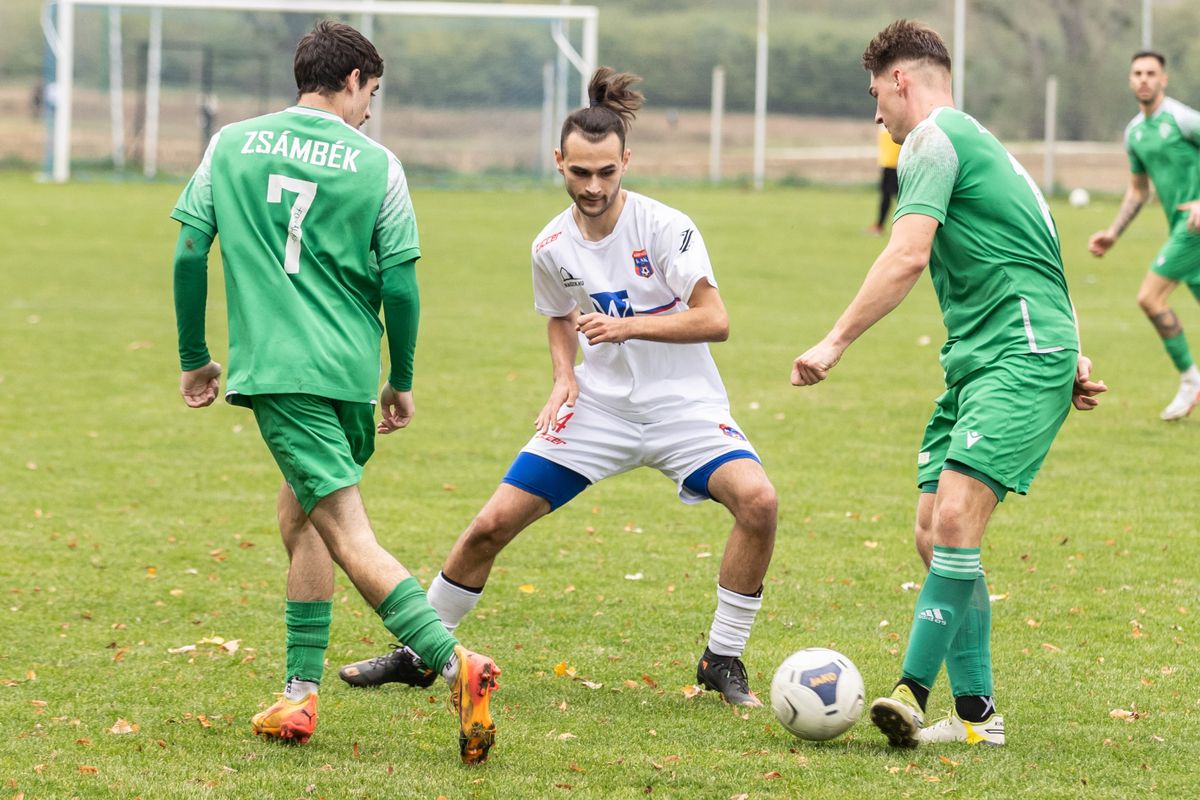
column 469, row 88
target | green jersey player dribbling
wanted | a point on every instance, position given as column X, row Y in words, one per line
column 317, row 232
column 970, row 212
column 1163, row 143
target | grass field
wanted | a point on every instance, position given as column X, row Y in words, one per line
column 133, row 526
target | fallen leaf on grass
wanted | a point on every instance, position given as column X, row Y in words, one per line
column 692, row 691
column 634, row 576
column 772, row 775
column 564, row 737
column 122, row 726
column 575, row 767
column 1049, row 648
column 187, row 648
column 646, row 679
column 526, row 588
column 85, row 770
column 948, row 762
column 1129, row 716
column 742, row 796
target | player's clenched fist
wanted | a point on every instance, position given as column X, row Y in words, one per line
column 814, row 364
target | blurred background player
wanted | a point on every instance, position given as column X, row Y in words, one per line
column 889, row 184
column 1163, row 143
column 971, row 212
column 629, row 280
column 316, row 226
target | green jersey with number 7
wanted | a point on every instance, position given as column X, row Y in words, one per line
column 308, row 212
column 995, row 263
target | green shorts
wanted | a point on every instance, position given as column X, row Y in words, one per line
column 1179, row 258
column 999, row 421
column 319, row 444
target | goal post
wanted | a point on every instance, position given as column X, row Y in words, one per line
column 558, row 15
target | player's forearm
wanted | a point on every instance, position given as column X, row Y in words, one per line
column 694, row 325
column 564, row 344
column 888, row 282
column 1131, row 204
column 402, row 315
column 191, row 296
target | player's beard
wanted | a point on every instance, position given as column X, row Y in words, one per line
column 603, row 209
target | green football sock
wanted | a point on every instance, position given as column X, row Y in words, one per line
column 969, row 659
column 307, row 637
column 1177, row 349
column 941, row 608
column 407, row 614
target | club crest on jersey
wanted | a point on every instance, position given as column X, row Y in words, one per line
column 641, row 264
column 1164, row 130
column 614, row 304
column 732, row 432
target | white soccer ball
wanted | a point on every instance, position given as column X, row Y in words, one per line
column 817, row 694
column 1079, row 197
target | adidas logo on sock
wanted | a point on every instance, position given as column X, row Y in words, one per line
column 932, row 615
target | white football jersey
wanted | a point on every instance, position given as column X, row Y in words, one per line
column 649, row 264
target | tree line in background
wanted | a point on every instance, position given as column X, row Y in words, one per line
column 815, row 47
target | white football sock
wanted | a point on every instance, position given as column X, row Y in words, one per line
column 450, row 671
column 731, row 623
column 451, row 602
column 1191, row 374
column 297, row 689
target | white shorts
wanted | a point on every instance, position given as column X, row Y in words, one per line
column 598, row 444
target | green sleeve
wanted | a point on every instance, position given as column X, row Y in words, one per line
column 191, row 295
column 402, row 314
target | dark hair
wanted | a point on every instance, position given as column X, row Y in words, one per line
column 905, row 40
column 331, row 52
column 612, row 107
column 1162, row 60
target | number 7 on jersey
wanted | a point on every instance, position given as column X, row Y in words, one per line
column 305, row 191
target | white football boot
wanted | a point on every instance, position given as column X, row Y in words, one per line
column 953, row 729
column 1185, row 400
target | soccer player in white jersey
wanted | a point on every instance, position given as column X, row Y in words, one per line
column 628, row 281
column 1163, row 144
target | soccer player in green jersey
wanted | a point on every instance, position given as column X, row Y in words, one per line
column 972, row 213
column 1163, row 143
column 317, row 231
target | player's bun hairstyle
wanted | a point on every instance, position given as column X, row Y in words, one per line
column 612, row 108
column 905, row 40
column 329, row 53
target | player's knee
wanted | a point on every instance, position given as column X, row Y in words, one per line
column 490, row 530
column 758, row 508
column 1150, row 303
column 953, row 524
